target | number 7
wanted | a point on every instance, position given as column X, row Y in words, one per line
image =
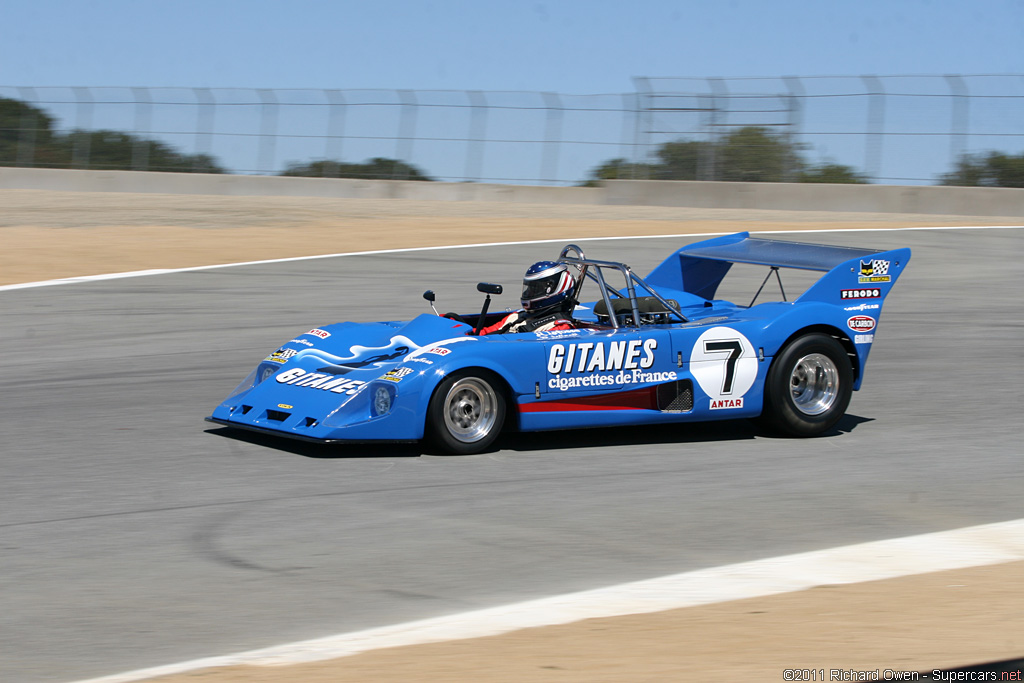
column 736, row 350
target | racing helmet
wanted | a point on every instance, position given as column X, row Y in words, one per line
column 546, row 284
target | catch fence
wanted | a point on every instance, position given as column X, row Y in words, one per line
column 890, row 129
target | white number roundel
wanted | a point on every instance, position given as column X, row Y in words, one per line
column 724, row 363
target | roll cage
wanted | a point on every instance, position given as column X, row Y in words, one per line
column 622, row 310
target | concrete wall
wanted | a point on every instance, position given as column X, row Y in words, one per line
column 962, row 201
column 261, row 186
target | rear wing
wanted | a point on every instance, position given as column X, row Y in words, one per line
column 851, row 272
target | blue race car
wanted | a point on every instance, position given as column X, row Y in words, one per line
column 644, row 351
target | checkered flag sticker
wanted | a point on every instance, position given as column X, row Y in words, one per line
column 879, row 267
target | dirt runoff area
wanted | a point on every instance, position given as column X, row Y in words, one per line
column 51, row 235
column 944, row 619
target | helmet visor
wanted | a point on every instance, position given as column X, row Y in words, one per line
column 540, row 288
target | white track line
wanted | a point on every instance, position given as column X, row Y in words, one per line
column 945, row 550
column 166, row 271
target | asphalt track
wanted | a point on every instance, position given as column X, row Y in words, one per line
column 132, row 534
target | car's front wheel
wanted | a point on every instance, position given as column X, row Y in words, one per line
column 466, row 413
column 808, row 387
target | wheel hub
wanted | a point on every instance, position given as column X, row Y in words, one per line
column 470, row 410
column 814, row 384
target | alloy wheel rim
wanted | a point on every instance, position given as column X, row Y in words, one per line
column 470, row 410
column 814, row 384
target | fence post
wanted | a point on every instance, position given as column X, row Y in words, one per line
column 143, row 118
column 716, row 118
column 29, row 126
column 642, row 84
column 794, row 102
column 552, row 130
column 268, row 131
column 876, row 126
column 83, row 121
column 206, row 106
column 477, row 134
column 406, row 134
column 960, row 114
column 335, row 133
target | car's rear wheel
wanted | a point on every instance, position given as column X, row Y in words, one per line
column 466, row 413
column 808, row 387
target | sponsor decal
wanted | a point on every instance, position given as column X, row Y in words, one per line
column 419, row 360
column 866, row 293
column 556, row 334
column 724, row 364
column 861, row 323
column 875, row 270
column 439, row 350
column 577, row 365
column 281, row 355
column 862, row 307
column 396, row 374
column 286, row 406
column 301, row 341
column 317, row 332
column 319, row 380
column 718, row 403
column 634, row 376
column 601, row 356
column 863, row 338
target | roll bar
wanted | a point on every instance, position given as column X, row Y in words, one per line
column 584, row 266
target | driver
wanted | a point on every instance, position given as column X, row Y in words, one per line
column 548, row 289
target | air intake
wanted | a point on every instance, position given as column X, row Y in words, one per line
column 675, row 397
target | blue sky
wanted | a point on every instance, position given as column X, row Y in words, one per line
column 567, row 46
column 563, row 46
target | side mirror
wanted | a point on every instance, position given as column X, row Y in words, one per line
column 429, row 296
column 488, row 288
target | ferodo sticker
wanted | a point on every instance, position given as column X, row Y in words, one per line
column 863, row 293
column 724, row 364
column 861, row 323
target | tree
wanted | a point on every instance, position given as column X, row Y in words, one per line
column 111, row 150
column 26, row 133
column 753, row 154
column 28, row 138
column 830, row 173
column 993, row 169
column 749, row 154
column 377, row 168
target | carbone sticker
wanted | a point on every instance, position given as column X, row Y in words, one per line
column 861, row 323
column 724, row 364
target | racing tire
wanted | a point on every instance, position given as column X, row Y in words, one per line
column 808, row 387
column 466, row 413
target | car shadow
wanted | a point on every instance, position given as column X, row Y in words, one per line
column 321, row 451
column 696, row 432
